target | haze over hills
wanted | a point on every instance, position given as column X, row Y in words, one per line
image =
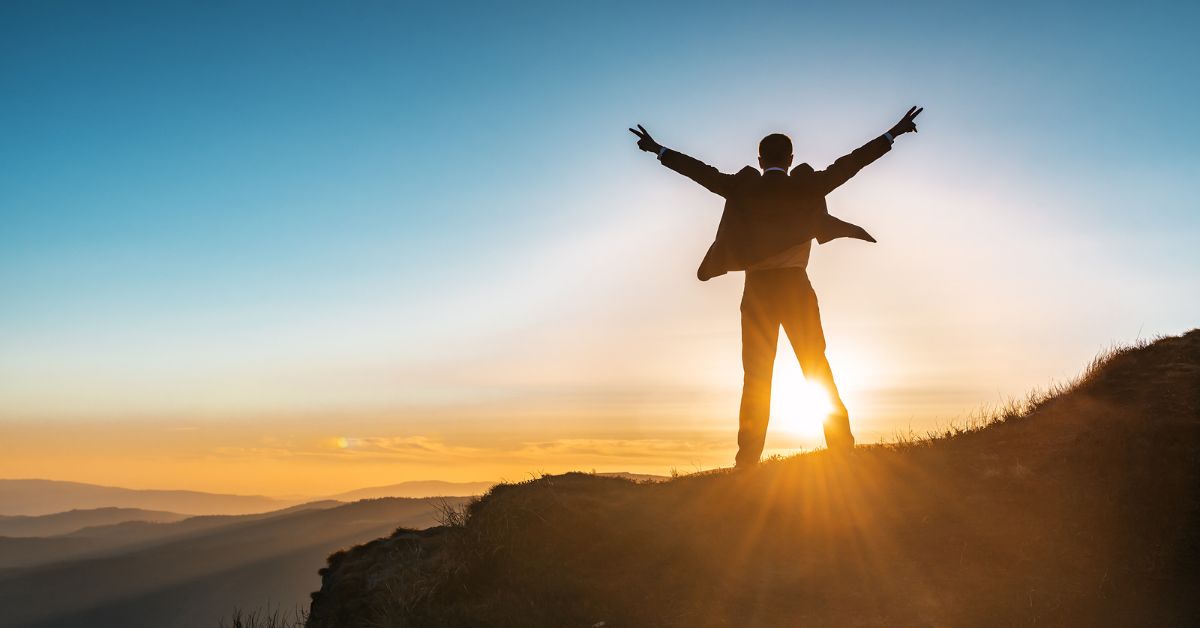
column 1077, row 508
column 202, row 569
column 44, row 497
column 74, row 520
column 38, row 498
column 104, row 540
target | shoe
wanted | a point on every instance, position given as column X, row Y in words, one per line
column 838, row 437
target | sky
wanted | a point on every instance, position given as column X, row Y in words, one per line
column 297, row 248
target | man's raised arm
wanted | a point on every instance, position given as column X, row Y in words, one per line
column 845, row 167
column 712, row 179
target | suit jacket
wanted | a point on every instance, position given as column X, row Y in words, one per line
column 766, row 214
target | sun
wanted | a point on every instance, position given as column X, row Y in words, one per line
column 798, row 406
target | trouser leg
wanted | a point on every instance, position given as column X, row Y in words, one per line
column 802, row 322
column 760, row 335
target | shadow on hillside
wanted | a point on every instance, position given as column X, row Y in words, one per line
column 1080, row 510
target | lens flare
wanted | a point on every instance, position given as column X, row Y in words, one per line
column 799, row 407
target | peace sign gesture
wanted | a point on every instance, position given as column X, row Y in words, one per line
column 907, row 123
column 645, row 142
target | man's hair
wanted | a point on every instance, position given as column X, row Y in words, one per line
column 775, row 148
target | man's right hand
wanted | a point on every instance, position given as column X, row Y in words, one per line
column 645, row 142
column 907, row 123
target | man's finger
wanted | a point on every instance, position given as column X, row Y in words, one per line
column 918, row 112
column 910, row 111
column 643, row 129
column 635, row 133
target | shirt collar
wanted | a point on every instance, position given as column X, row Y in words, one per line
column 783, row 170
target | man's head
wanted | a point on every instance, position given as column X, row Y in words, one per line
column 775, row 151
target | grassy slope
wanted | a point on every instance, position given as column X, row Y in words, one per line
column 1080, row 508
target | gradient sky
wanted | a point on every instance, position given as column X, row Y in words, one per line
column 298, row 248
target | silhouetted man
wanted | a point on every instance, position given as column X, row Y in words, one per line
column 767, row 228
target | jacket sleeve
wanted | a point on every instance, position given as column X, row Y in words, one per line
column 845, row 167
column 712, row 179
column 831, row 228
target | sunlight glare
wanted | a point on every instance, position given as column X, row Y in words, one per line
column 799, row 406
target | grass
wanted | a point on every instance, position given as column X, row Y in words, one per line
column 1015, row 409
column 268, row 617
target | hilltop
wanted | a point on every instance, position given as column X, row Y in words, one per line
column 1080, row 506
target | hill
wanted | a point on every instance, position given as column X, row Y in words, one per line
column 197, row 575
column 44, row 497
column 75, row 520
column 1076, row 508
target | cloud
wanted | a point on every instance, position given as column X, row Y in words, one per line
column 430, row 450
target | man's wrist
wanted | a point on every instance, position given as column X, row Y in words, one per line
column 662, row 150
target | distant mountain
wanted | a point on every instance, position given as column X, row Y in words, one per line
column 43, row 497
column 107, row 540
column 74, row 520
column 416, row 489
column 194, row 578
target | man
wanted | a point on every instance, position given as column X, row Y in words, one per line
column 767, row 228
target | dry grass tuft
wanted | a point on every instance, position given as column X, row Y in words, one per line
column 266, row 618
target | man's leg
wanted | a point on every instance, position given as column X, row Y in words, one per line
column 802, row 322
column 760, row 335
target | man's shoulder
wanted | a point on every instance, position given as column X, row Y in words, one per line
column 745, row 178
column 802, row 170
column 804, row 179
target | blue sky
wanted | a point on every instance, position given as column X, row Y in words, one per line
column 232, row 210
